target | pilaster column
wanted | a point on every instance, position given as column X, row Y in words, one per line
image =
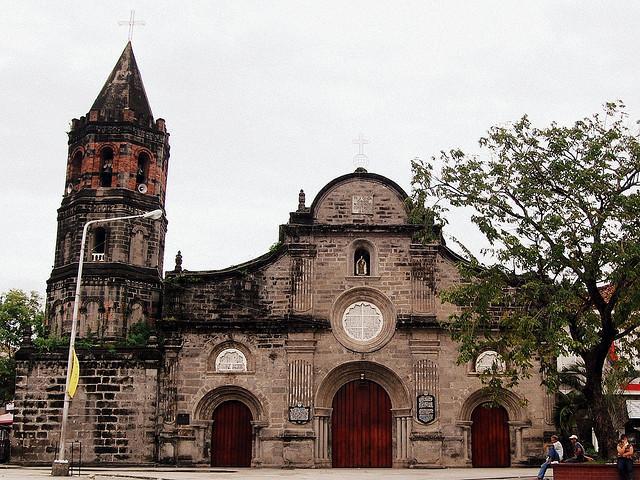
column 321, row 422
column 517, row 431
column 402, row 420
column 256, row 445
column 465, row 426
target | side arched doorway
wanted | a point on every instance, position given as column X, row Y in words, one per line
column 490, row 445
column 231, row 435
column 361, row 426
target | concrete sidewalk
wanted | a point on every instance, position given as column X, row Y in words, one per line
column 18, row 473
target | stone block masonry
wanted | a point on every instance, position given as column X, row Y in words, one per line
column 113, row 412
column 586, row 471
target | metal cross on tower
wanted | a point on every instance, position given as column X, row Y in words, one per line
column 360, row 160
column 131, row 22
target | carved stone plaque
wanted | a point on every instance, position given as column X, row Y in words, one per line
column 426, row 408
column 362, row 204
column 299, row 414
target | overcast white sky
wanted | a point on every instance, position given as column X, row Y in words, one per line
column 264, row 98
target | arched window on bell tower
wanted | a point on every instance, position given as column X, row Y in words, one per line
column 106, row 167
column 142, row 173
column 99, row 244
column 76, row 167
column 361, row 262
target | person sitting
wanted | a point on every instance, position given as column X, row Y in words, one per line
column 554, row 454
column 578, row 452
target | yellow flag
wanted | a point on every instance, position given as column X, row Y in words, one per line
column 75, row 374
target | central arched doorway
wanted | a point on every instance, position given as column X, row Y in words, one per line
column 490, row 446
column 231, row 436
column 361, row 426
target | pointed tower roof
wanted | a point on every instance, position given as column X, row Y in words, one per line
column 124, row 91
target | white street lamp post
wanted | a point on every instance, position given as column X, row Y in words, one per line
column 61, row 465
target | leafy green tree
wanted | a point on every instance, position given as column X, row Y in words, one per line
column 20, row 313
column 560, row 208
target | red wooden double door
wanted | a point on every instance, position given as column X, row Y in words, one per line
column 361, row 426
column 490, row 446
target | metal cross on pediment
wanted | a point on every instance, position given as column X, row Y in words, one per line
column 131, row 22
column 360, row 160
column 361, row 142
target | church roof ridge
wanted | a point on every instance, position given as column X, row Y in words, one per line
column 124, row 90
column 244, row 267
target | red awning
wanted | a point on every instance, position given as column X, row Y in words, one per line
column 6, row 419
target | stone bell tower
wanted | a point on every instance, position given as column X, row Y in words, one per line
column 117, row 166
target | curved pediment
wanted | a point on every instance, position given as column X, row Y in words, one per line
column 360, row 197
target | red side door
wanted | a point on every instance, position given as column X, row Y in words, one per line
column 231, row 438
column 490, row 437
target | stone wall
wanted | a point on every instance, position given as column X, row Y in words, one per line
column 111, row 302
column 249, row 293
column 113, row 412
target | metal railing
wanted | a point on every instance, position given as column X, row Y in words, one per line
column 76, row 458
column 75, row 462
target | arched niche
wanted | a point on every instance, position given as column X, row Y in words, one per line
column 366, row 249
column 136, row 313
column 138, row 246
column 90, row 321
column 56, row 319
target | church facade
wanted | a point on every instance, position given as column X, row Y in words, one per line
column 329, row 351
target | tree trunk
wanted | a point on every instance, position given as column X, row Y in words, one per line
column 603, row 425
column 594, row 361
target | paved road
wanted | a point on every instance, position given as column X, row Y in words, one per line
column 13, row 473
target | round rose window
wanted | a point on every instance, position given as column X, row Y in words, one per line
column 362, row 321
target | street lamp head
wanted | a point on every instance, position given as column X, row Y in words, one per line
column 154, row 215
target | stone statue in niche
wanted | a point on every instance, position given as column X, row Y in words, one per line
column 361, row 266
